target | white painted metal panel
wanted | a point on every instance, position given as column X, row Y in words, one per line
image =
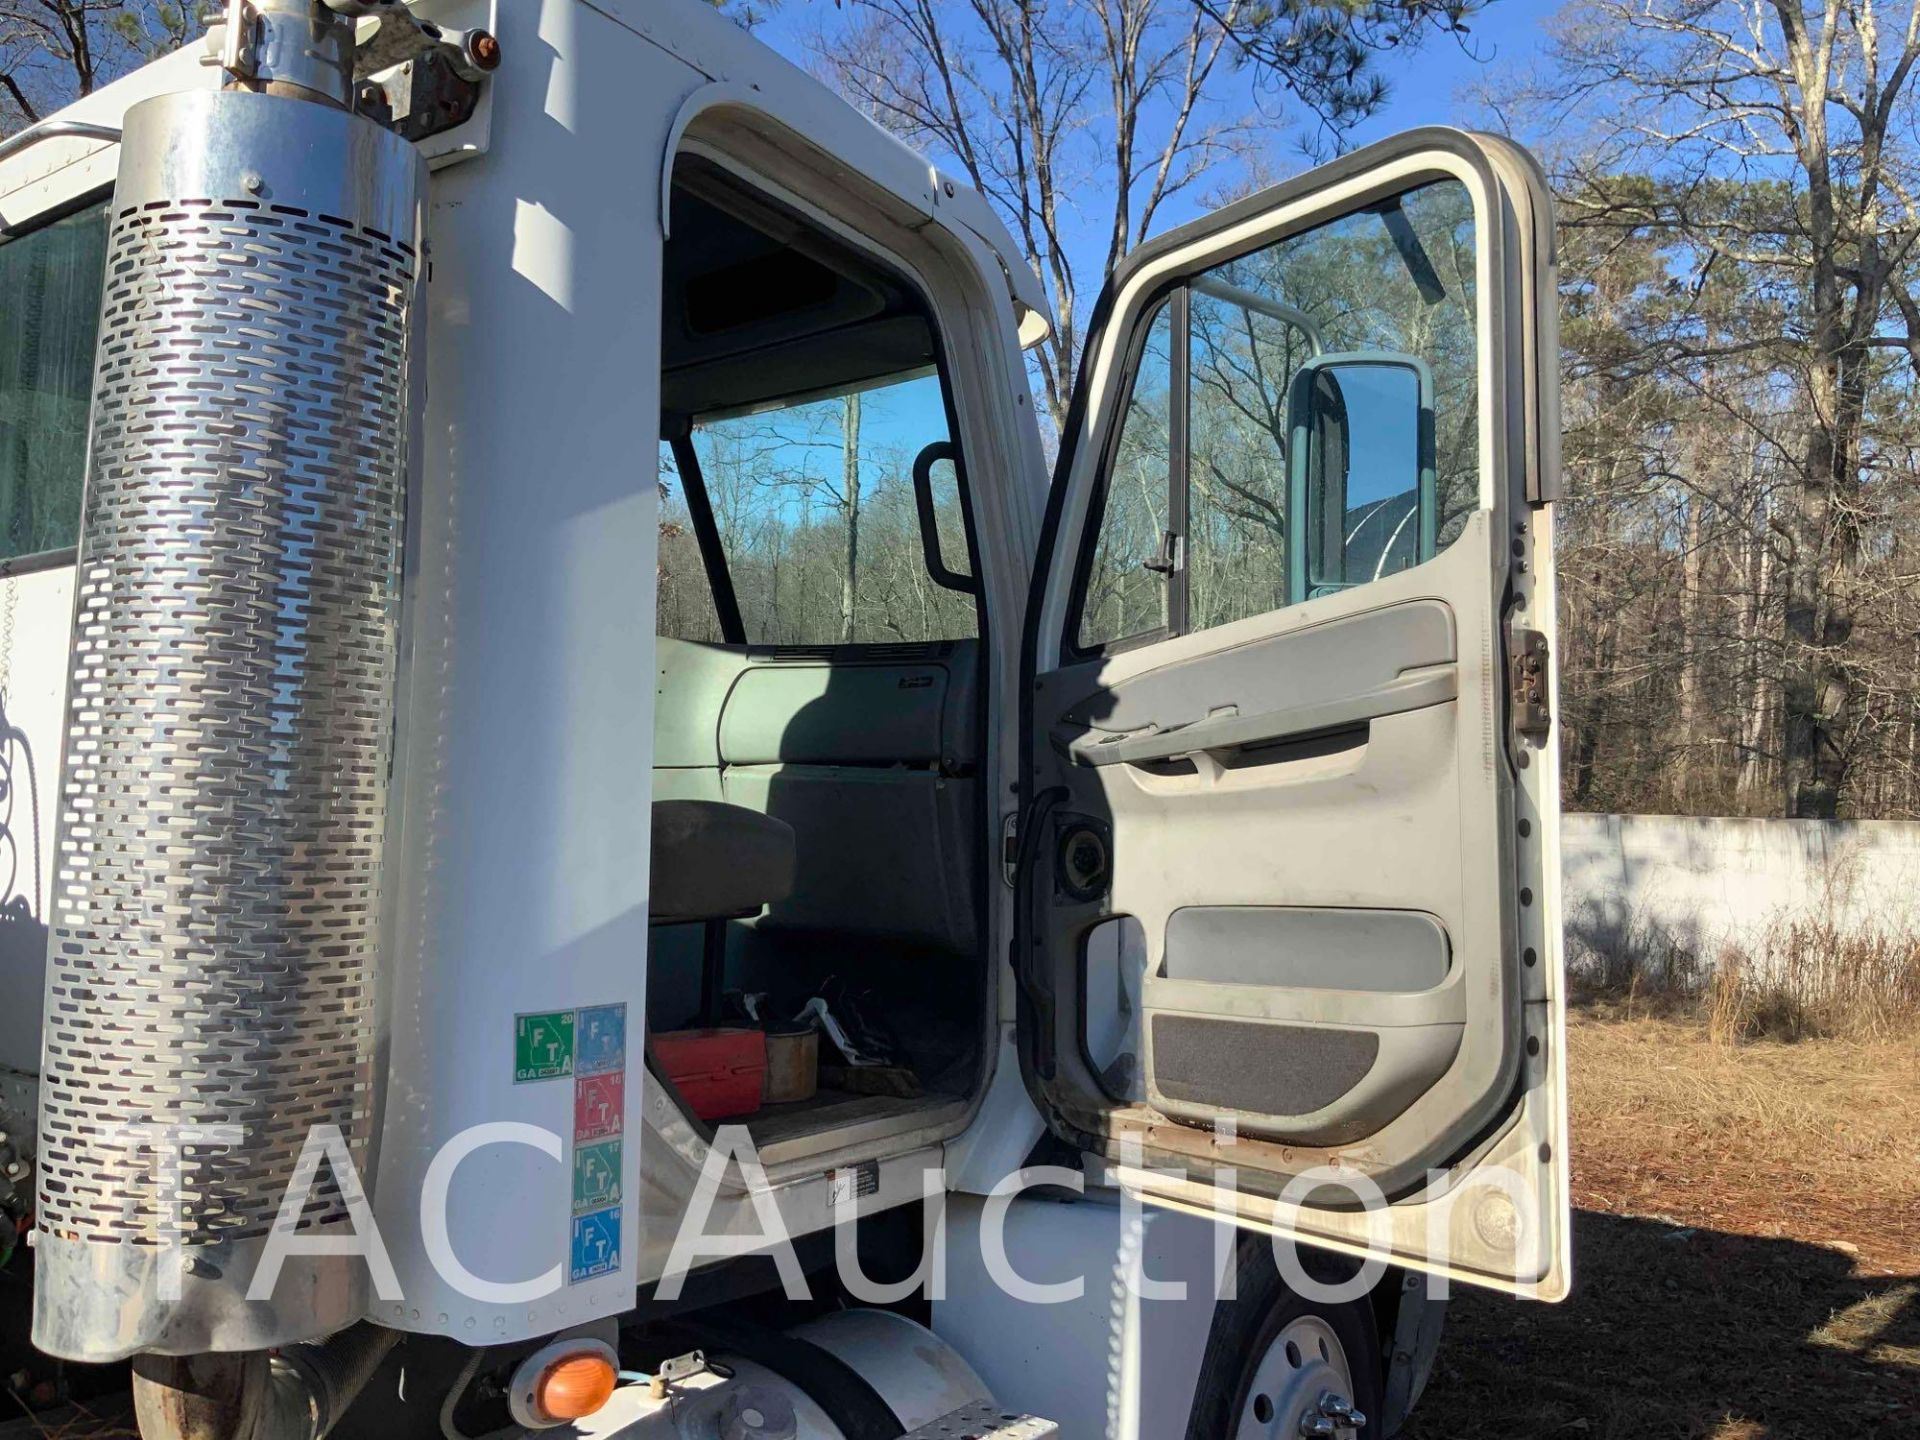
column 522, row 825
column 35, row 615
column 1118, row 1352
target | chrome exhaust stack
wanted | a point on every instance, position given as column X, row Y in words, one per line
column 211, row 1004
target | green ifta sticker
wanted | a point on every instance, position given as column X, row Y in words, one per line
column 596, row 1176
column 542, row 1046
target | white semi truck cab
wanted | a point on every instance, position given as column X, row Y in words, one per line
column 594, row 838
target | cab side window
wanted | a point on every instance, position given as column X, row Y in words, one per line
column 50, row 280
column 1304, row 419
column 836, row 519
column 686, row 608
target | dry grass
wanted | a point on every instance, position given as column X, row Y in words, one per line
column 1809, row 978
column 1813, row 1140
column 1796, row 979
column 1747, row 1247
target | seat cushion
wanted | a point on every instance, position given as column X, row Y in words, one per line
column 713, row 861
column 870, row 752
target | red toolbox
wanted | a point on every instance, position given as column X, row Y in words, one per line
column 720, row 1072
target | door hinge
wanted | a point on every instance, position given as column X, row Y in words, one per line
column 1529, row 673
column 1010, row 847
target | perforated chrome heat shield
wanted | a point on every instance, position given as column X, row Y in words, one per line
column 216, row 916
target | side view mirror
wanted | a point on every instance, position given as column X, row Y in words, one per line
column 1362, row 489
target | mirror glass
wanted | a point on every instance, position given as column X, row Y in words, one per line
column 1364, row 472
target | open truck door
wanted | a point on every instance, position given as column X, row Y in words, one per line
column 1288, row 935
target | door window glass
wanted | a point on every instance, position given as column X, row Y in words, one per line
column 1240, row 359
column 1328, row 404
column 1127, row 578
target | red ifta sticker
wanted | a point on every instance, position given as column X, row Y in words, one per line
column 599, row 1105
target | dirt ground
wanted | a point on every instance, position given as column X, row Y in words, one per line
column 1746, row 1251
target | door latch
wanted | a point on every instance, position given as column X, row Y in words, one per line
column 1527, row 671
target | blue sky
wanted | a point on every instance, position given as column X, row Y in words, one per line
column 1425, row 90
column 1426, row 87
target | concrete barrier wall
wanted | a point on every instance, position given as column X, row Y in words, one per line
column 1701, row 884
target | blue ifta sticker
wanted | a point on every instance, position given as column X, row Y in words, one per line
column 600, row 1040
column 596, row 1245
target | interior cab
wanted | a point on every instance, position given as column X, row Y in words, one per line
column 821, row 700
column 1275, row 853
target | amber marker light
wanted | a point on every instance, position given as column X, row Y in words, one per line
column 567, row 1380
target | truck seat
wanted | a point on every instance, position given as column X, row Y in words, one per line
column 714, row 861
column 871, row 754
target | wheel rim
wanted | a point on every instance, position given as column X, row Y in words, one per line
column 1304, row 1368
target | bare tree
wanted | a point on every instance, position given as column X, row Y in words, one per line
column 1121, row 104
column 54, row 51
column 1771, row 141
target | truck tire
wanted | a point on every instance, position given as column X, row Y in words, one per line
column 1274, row 1357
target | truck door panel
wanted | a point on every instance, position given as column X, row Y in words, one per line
column 1288, row 849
